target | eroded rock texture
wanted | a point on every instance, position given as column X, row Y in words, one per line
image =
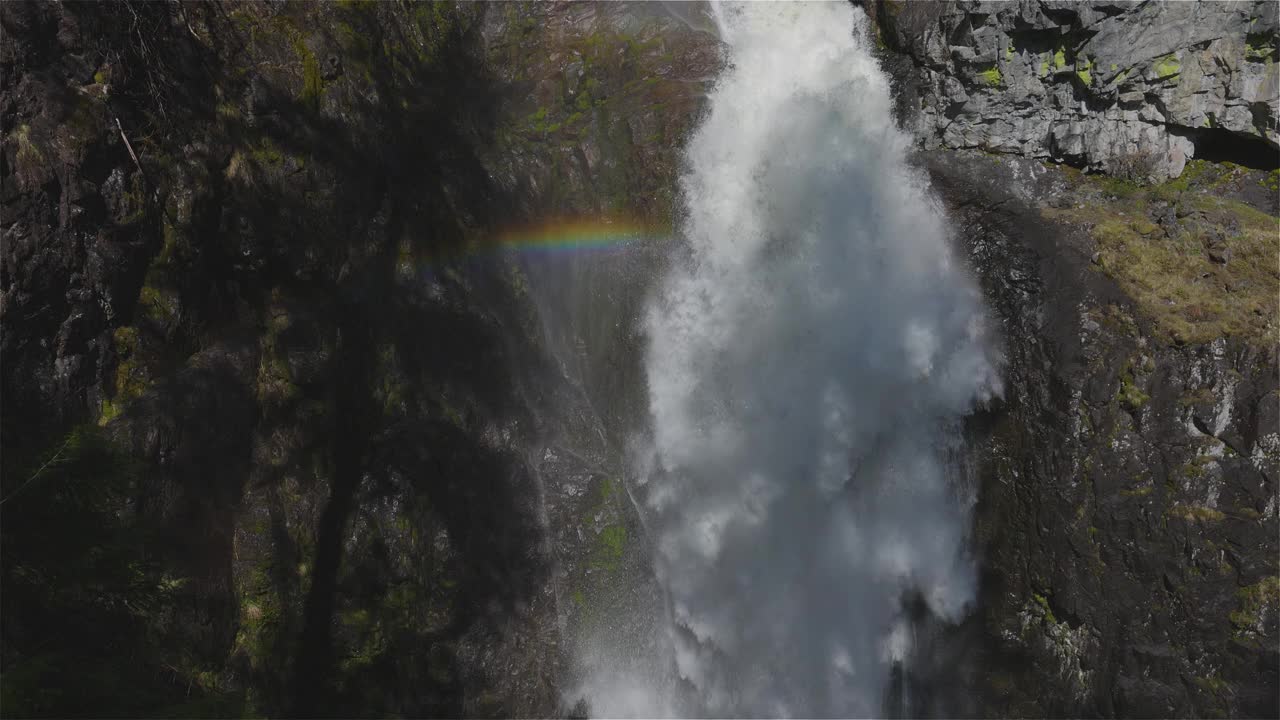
column 1131, row 88
column 1128, row 512
column 285, row 431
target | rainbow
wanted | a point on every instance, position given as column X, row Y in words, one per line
column 549, row 238
column 570, row 236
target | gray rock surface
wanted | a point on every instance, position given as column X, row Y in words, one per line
column 1127, row 523
column 1130, row 88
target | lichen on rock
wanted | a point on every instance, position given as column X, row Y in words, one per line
column 1099, row 83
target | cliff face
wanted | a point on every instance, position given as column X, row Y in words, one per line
column 306, row 440
column 1127, row 517
column 1128, row 506
column 1134, row 89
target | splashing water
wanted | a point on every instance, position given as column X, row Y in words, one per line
column 808, row 362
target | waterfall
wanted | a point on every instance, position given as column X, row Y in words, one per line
column 809, row 357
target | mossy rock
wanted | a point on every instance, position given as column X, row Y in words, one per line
column 1167, row 268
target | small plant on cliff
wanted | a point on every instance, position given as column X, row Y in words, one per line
column 1256, row 602
column 1196, row 513
column 1260, row 47
column 1043, row 602
column 312, row 83
column 1130, row 395
column 1136, row 167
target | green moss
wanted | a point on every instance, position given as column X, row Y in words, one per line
column 99, row 77
column 1143, row 491
column 1213, row 683
column 1255, row 602
column 609, row 549
column 228, row 111
column 267, row 154
column 1118, row 187
column 1196, row 513
column 1083, row 66
column 312, row 82
column 1196, row 467
column 1130, row 395
column 26, row 148
column 1271, row 180
column 613, row 539
column 1259, row 47
column 1043, row 602
column 275, row 384
column 130, row 379
column 159, row 304
column 355, row 618
column 434, row 24
column 991, row 77
column 108, row 412
column 1192, row 299
column 1248, row 513
column 1044, row 66
column 30, row 159
column 135, row 199
column 1200, row 173
column 610, row 488
column 1060, row 58
column 1167, row 66
column 390, row 390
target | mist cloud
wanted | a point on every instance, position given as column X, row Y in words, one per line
column 807, row 364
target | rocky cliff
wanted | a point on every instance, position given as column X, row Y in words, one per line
column 1127, row 517
column 1128, row 506
column 284, row 428
column 1132, row 88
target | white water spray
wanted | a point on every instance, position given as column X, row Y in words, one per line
column 808, row 362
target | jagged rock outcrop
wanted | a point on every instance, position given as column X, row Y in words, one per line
column 1131, row 88
column 1127, row 519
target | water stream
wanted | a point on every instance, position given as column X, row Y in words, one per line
column 809, row 355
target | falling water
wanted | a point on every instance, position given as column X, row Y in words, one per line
column 809, row 358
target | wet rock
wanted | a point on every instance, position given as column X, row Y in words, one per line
column 1128, row 483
